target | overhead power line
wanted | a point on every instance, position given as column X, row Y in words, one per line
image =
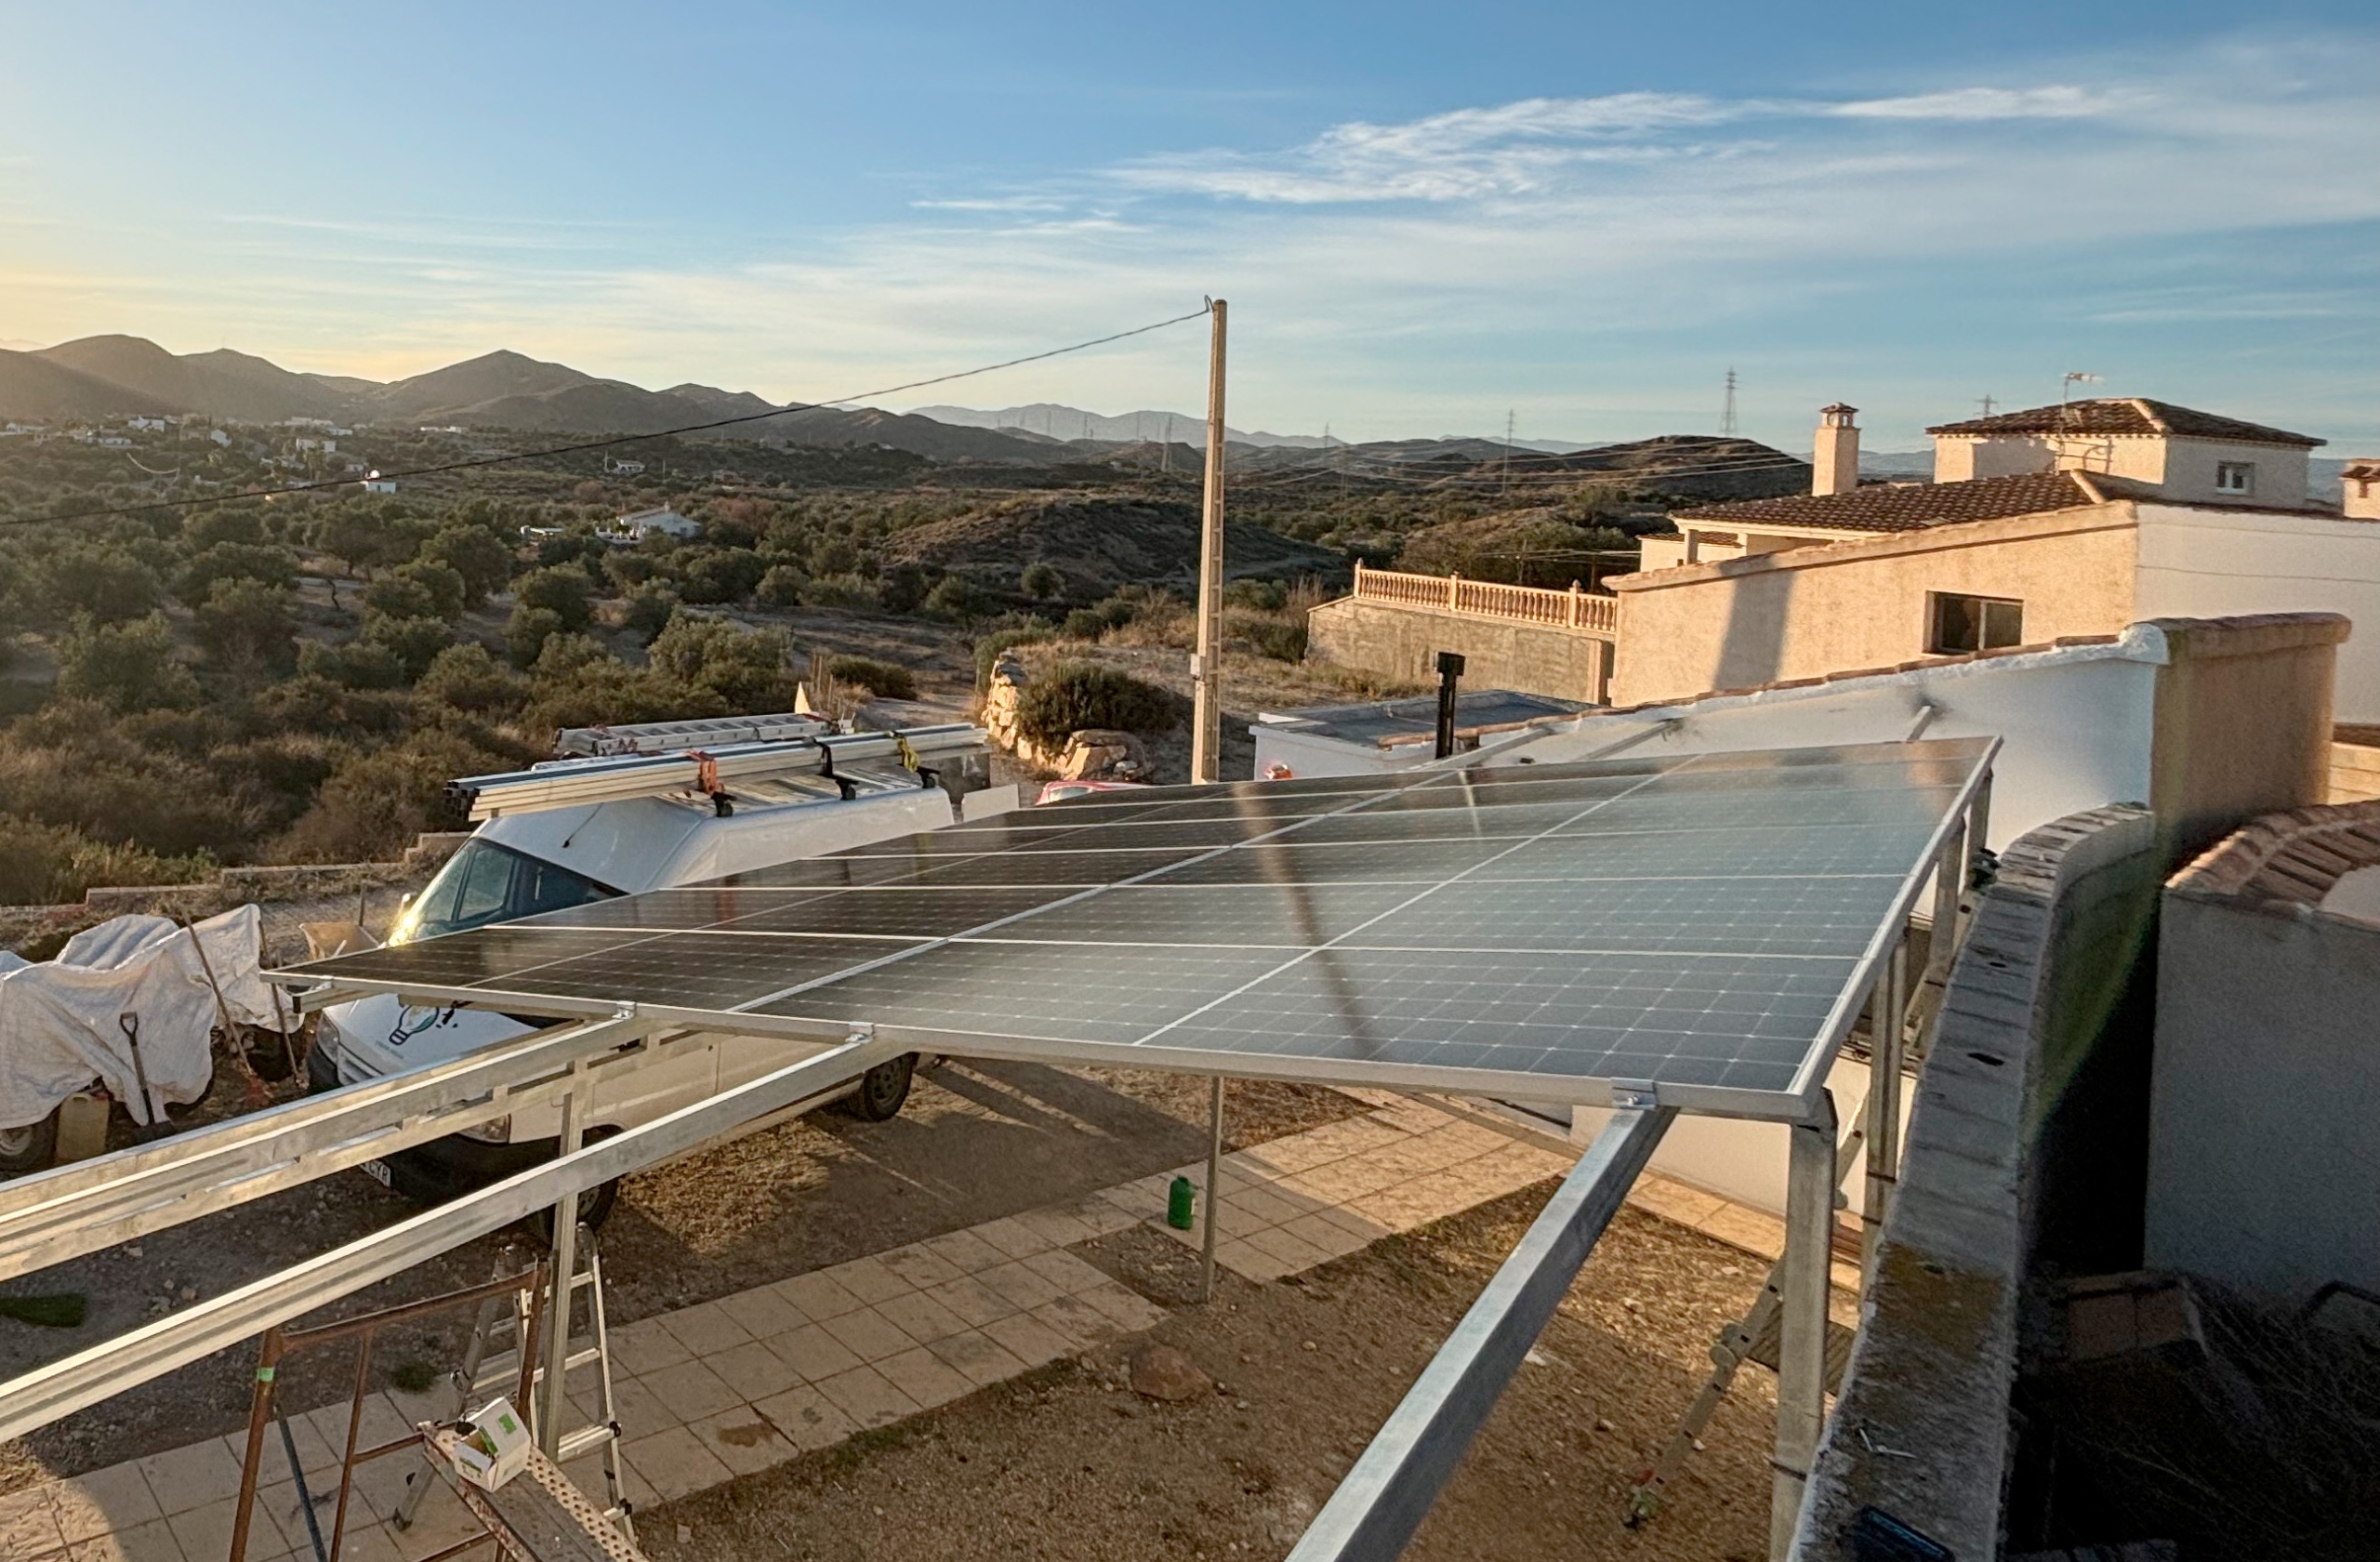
column 609, row 443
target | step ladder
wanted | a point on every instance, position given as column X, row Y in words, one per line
column 491, row 1366
column 1755, row 1338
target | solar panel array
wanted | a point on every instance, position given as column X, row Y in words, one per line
column 1702, row 923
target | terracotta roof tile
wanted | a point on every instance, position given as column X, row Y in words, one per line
column 2287, row 860
column 1910, row 507
column 2135, row 416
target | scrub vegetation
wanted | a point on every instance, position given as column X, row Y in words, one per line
column 294, row 679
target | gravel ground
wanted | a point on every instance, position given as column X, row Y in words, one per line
column 1069, row 1465
column 976, row 1141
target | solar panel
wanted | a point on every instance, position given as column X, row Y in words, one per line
column 1707, row 925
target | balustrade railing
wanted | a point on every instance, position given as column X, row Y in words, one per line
column 1574, row 609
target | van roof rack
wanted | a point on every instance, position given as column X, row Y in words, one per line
column 709, row 732
column 713, row 771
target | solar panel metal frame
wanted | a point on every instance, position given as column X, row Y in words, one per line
column 1796, row 1102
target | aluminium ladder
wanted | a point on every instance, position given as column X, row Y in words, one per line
column 492, row 1362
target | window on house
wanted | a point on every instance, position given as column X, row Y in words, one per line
column 2235, row 477
column 1957, row 623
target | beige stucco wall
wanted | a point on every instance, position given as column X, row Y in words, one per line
column 2183, row 467
column 2206, row 563
column 1840, row 606
column 1402, row 643
column 1958, row 459
column 2280, row 471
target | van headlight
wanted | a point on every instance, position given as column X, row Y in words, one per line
column 495, row 1131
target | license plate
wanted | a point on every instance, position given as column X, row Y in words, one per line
column 376, row 1170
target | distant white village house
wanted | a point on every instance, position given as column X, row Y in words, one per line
column 374, row 483
column 636, row 526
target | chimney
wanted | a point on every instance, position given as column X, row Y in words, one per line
column 1834, row 466
column 2359, row 489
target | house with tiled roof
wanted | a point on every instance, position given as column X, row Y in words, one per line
column 2012, row 463
column 2052, row 521
column 2188, row 454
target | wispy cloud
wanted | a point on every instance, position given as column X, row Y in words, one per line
column 1532, row 146
column 1979, row 103
column 1390, row 273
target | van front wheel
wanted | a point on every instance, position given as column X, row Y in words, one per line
column 33, row 1146
column 882, row 1090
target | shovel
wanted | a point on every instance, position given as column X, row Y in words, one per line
column 130, row 1025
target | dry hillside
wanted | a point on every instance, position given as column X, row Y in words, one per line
column 1099, row 542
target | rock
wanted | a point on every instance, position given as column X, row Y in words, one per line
column 1164, row 1372
column 1102, row 754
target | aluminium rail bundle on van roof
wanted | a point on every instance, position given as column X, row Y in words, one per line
column 565, row 783
column 707, row 732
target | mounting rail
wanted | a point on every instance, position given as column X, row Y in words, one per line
column 567, row 782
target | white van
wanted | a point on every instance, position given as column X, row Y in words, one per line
column 562, row 854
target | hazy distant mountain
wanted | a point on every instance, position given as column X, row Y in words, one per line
column 224, row 383
column 1905, row 465
column 447, row 394
column 1056, row 420
column 721, row 403
column 104, row 377
column 34, row 387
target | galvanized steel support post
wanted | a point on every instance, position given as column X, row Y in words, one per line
column 1214, row 1191
column 1385, row 1497
column 553, row 1394
column 1801, row 1370
column 1883, row 1108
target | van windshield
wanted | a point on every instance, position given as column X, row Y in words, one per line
column 484, row 882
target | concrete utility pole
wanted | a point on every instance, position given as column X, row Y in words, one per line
column 1205, row 662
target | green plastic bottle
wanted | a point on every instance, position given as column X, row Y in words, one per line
column 1179, row 1200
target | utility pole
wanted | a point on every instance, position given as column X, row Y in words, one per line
column 1728, row 413
column 1508, row 455
column 1988, row 403
column 1205, row 662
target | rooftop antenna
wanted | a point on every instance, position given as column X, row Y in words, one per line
column 2066, row 389
column 1727, row 411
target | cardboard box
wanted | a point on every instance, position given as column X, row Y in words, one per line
column 496, row 1447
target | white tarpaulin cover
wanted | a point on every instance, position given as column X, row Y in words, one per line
column 62, row 1020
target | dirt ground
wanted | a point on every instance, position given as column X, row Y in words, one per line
column 976, row 1141
column 1069, row 1465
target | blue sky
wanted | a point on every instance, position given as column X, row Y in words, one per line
column 1423, row 216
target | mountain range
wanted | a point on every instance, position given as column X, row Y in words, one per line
column 1057, row 420
column 115, row 376
column 120, row 375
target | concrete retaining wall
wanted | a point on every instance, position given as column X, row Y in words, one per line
column 21, row 925
column 1402, row 643
column 1922, row 1428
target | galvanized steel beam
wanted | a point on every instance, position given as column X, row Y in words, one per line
column 94, row 1204
column 89, row 1376
column 1385, row 1498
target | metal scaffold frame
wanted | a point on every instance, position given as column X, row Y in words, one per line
column 105, row 1369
